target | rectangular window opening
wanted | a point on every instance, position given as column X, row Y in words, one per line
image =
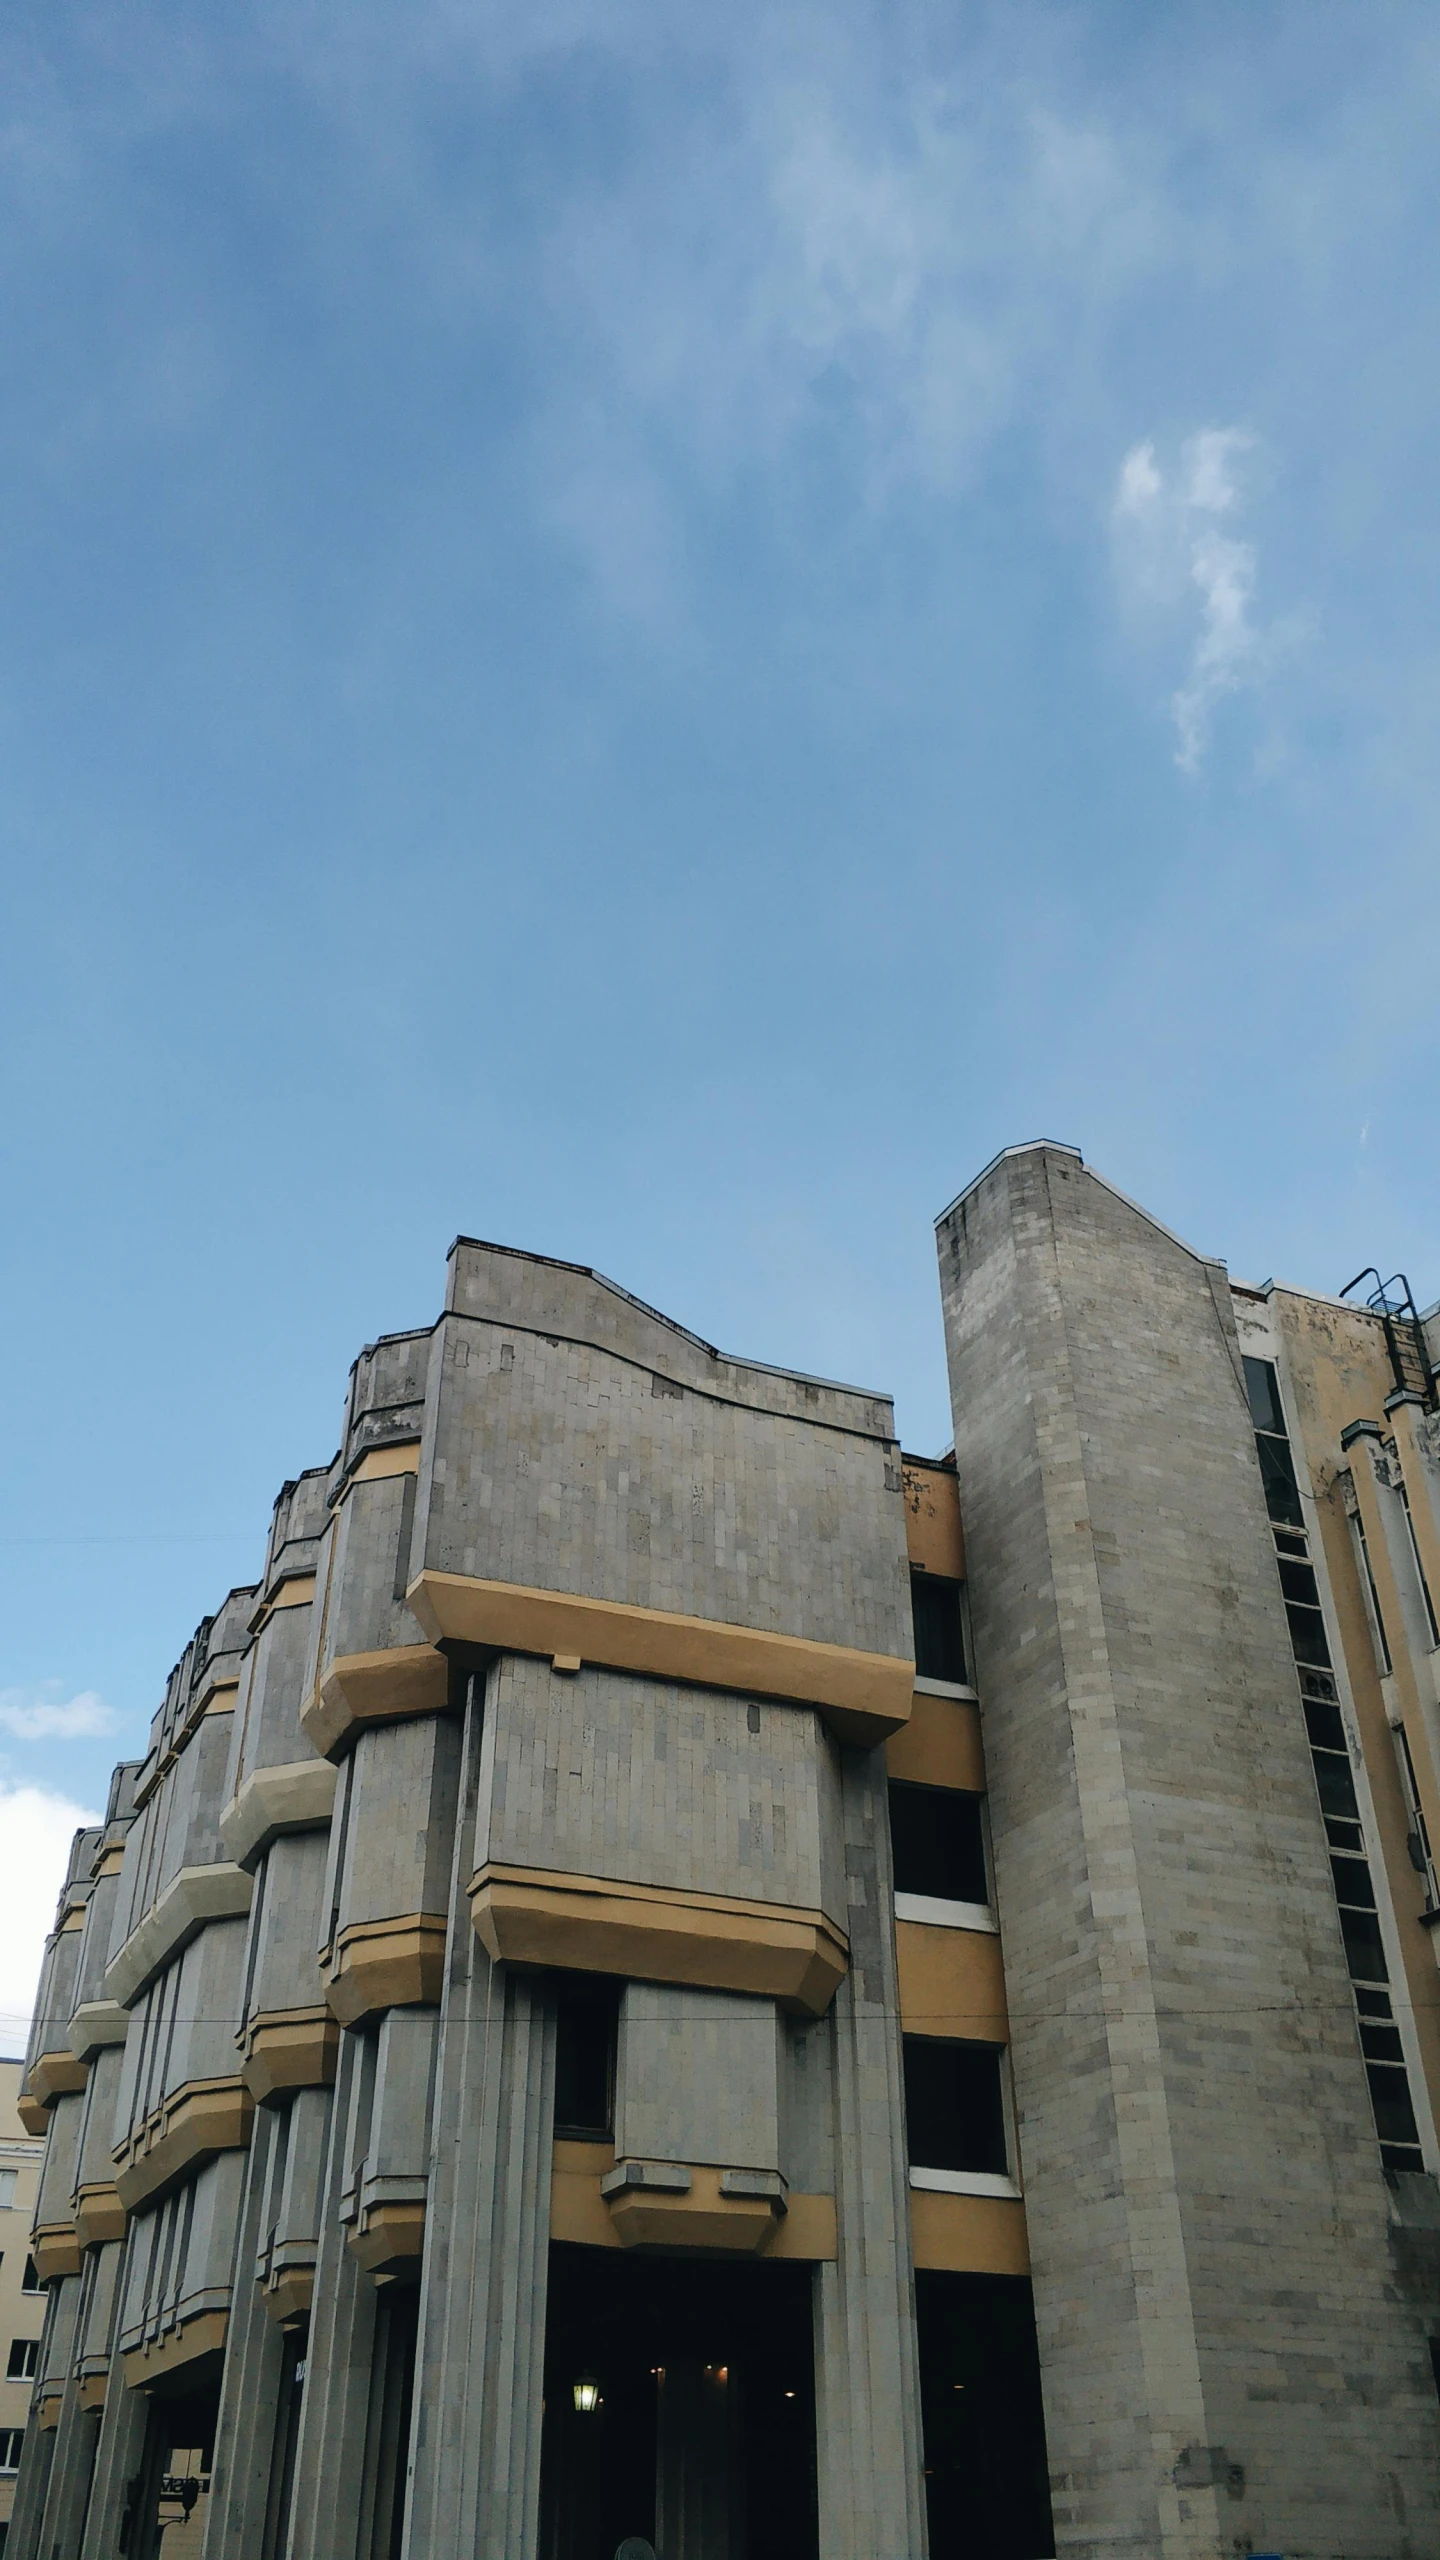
column 939, row 1634
column 939, row 1843
column 587, row 2026
column 954, row 2106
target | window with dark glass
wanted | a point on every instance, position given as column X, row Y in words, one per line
column 1277, row 1478
column 1262, row 1386
column 24, row 2359
column 1389, row 2081
column 939, row 1637
column 939, row 1843
column 12, row 2445
column 587, row 2023
column 31, row 2282
column 954, row 2109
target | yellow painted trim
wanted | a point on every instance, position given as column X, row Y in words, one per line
column 202, row 2336
column 99, row 2216
column 289, row 2295
column 221, row 1697
column 702, row 2218
column 863, row 1696
column 933, row 1535
column 652, row 1933
column 939, row 1747
column 973, row 2235
column 34, row 2114
column 197, row 2121
column 57, row 2075
column 385, row 1964
column 74, row 1919
column 401, row 1458
column 388, row 2236
column 578, row 2211
column 287, row 2049
column 110, row 1862
column 952, row 1983
column 91, row 2389
column 55, row 2250
column 47, row 2412
column 374, row 1688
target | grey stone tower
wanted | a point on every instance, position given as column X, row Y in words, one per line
column 1227, row 2363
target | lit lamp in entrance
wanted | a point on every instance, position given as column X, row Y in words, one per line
column 587, row 2395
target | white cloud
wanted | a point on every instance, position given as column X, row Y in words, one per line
column 1171, row 550
column 38, row 1719
column 36, row 1829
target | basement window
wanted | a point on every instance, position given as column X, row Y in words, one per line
column 939, row 1843
column 954, row 2105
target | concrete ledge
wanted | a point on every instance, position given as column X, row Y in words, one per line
column 34, row 2114
column 287, row 2049
column 55, row 2075
column 91, row 2388
column 201, row 2119
column 55, row 2248
column 540, row 1916
column 940, row 1746
column 388, row 2239
column 385, row 1964
column 649, row 2213
column 195, row 1895
column 578, row 2211
column 298, row 1796
column 288, row 2288
column 161, row 2357
column 47, row 2412
column 863, row 1696
column 99, row 2215
column 374, row 1688
column 96, row 2024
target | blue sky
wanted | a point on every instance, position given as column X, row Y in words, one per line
column 646, row 633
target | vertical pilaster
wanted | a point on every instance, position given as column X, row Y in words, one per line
column 867, row 2374
column 475, row 2483
column 121, row 2445
column 254, row 2348
column 330, row 2453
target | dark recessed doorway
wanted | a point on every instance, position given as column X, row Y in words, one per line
column 701, row 2436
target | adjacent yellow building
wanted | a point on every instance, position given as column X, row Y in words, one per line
column 22, row 2296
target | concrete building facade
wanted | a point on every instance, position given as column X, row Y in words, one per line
column 677, row 1979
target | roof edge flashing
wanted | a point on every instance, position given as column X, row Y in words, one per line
column 1026, row 1147
column 1059, row 1147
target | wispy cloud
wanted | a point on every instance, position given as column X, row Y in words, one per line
column 32, row 1717
column 1177, row 553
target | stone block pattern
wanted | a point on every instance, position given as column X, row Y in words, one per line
column 1206, row 2208
column 646, row 1782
